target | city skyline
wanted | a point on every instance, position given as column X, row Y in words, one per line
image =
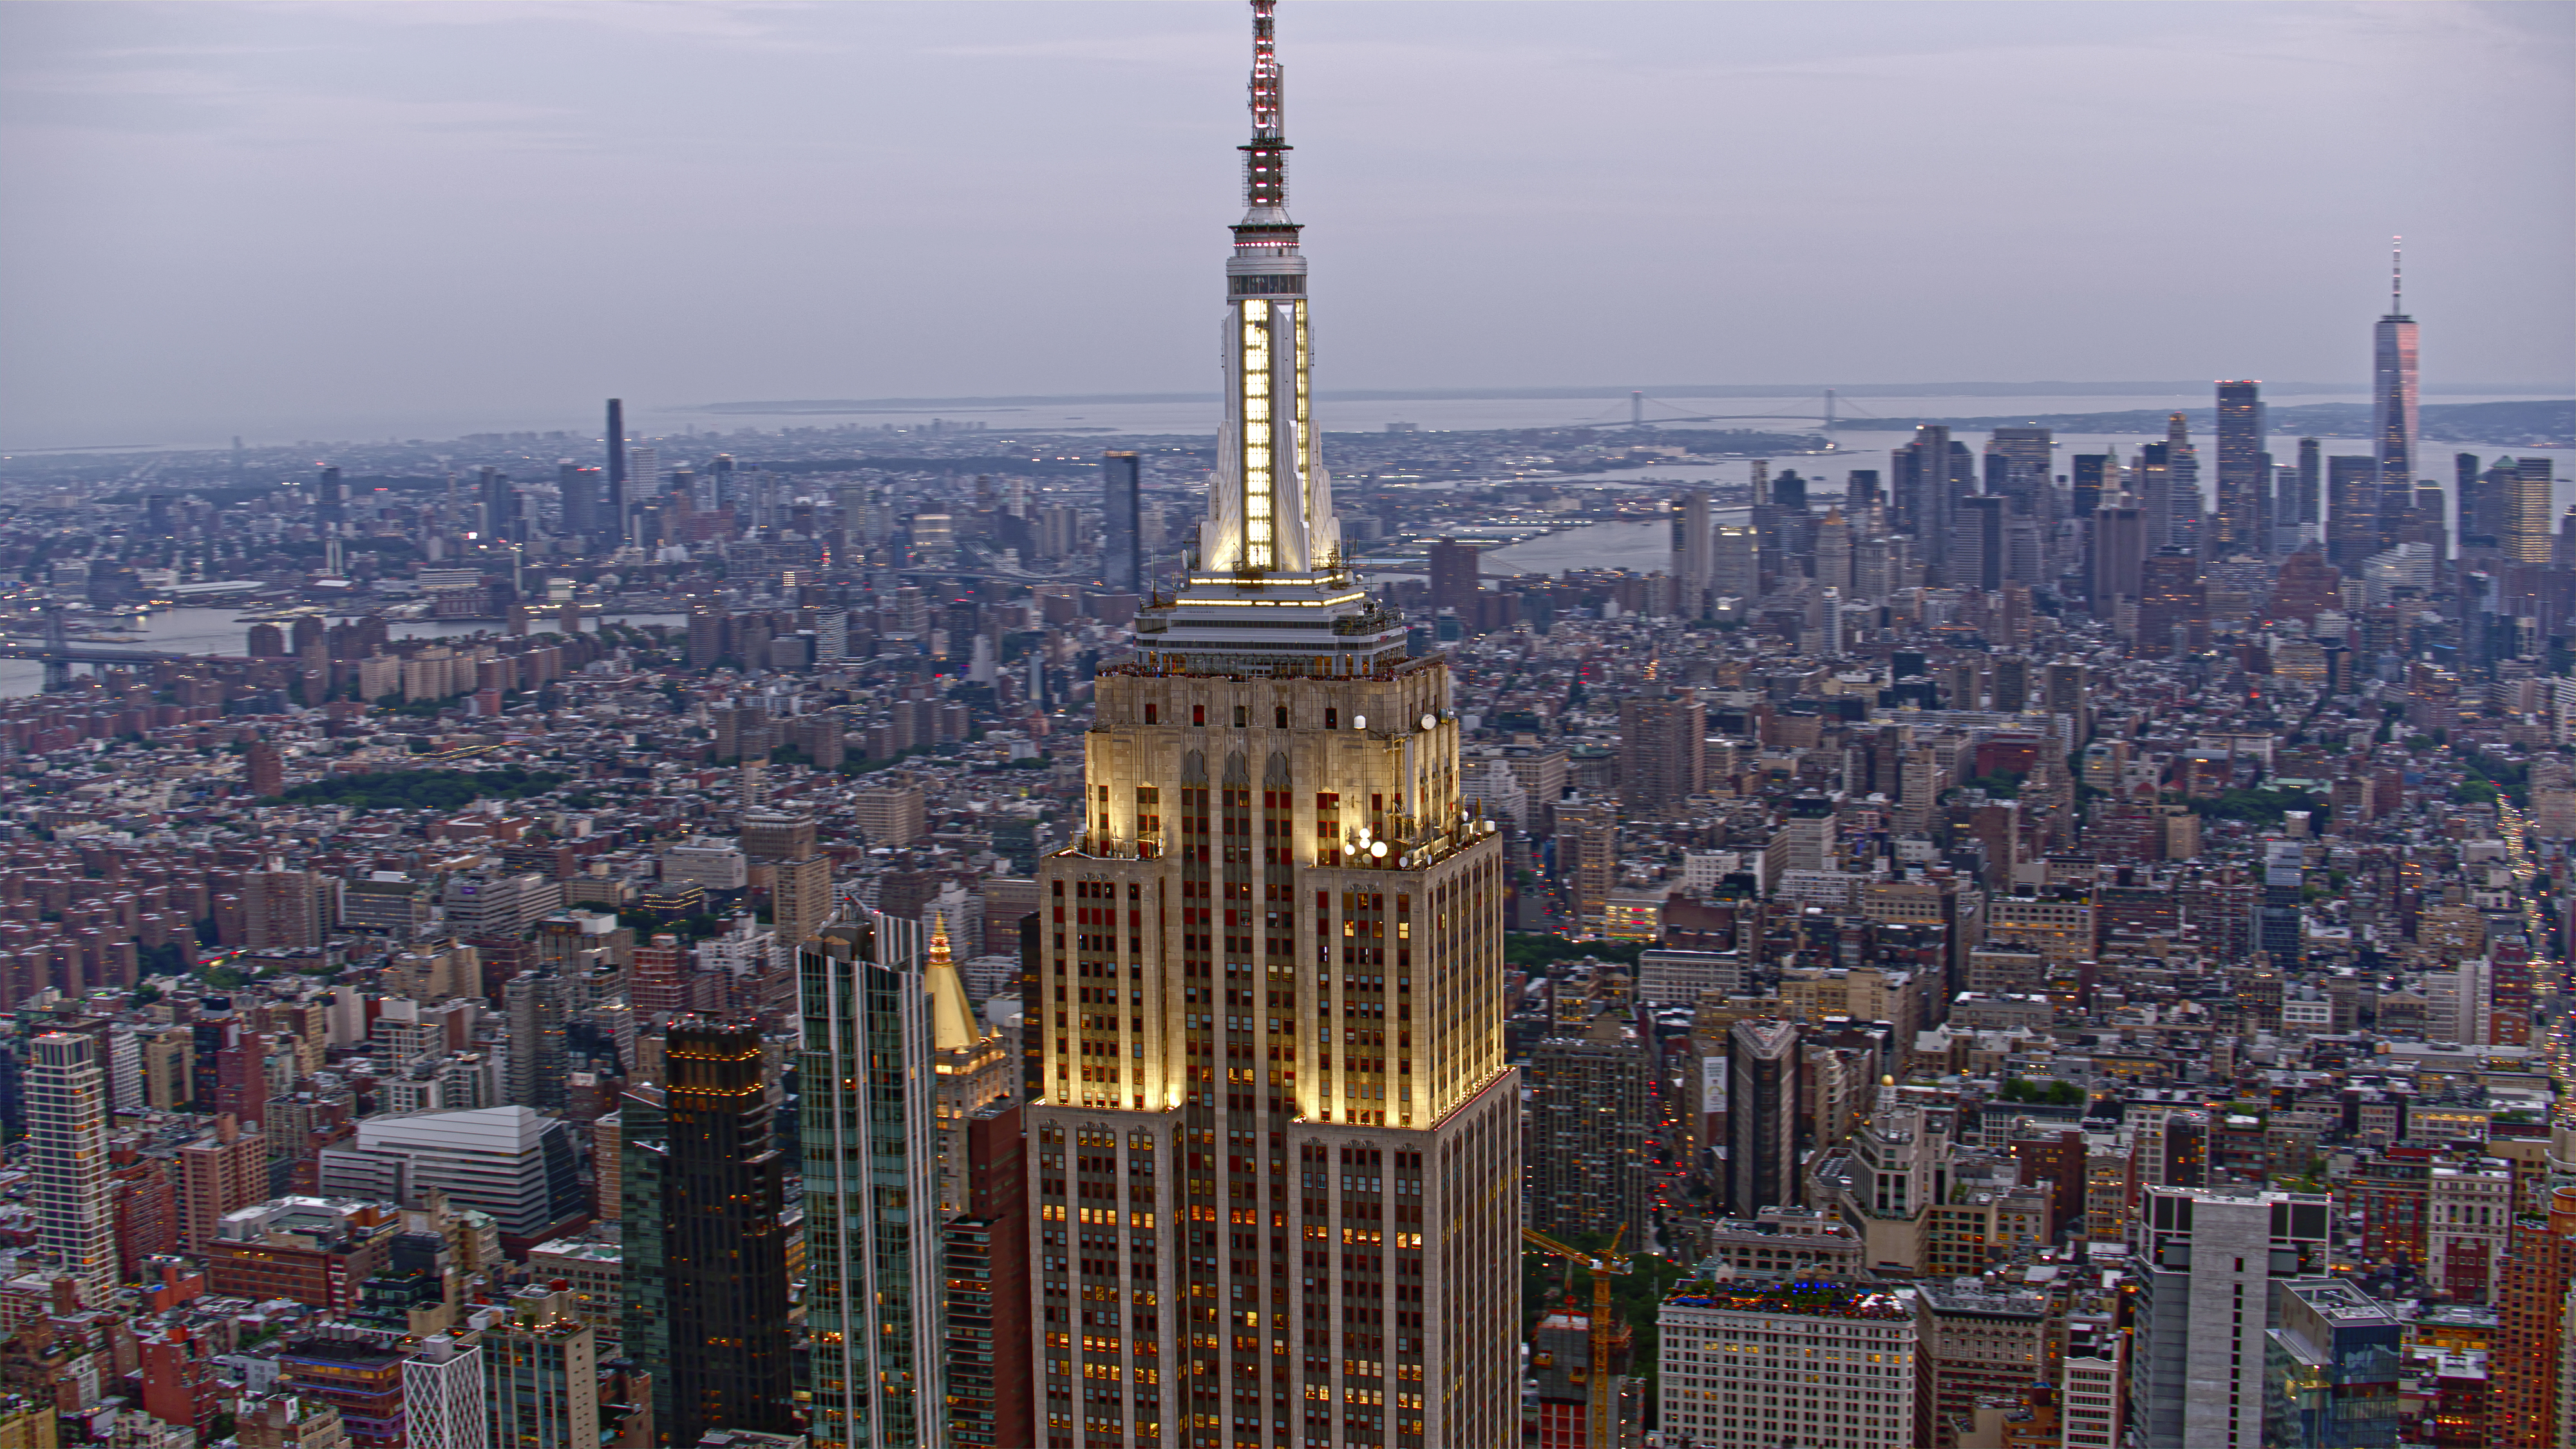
column 969, row 936
column 1655, row 204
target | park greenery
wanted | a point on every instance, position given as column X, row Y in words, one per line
column 423, row 789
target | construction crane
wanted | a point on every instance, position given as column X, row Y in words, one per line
column 1601, row 1393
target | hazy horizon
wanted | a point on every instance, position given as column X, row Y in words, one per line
column 289, row 220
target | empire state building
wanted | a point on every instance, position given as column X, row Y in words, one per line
column 1272, row 1134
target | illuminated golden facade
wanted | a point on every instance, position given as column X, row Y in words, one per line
column 1275, row 1164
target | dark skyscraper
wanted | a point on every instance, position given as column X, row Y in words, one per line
column 616, row 499
column 1977, row 543
column 2392, row 394
column 331, row 502
column 1122, row 544
column 1927, row 477
column 2086, row 482
column 705, row 1252
column 579, row 488
column 2119, row 554
column 1589, row 1123
column 1453, row 579
column 2244, row 473
column 500, row 505
column 1660, row 752
column 1761, row 1116
column 2480, row 519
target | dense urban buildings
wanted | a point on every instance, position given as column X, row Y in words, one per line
column 874, row 934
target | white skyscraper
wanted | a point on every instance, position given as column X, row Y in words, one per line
column 2206, row 1263
column 444, row 1402
column 67, row 1130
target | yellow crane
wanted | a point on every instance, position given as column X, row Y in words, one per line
column 1601, row 1388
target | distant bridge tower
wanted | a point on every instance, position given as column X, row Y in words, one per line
column 58, row 644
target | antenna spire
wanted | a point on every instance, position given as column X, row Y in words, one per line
column 2396, row 276
column 1265, row 162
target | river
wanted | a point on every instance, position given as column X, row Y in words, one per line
column 214, row 631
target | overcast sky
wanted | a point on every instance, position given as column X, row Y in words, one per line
column 319, row 220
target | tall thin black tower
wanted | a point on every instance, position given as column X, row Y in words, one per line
column 616, row 499
column 1122, row 541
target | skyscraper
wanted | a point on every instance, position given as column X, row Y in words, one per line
column 2392, row 391
column 446, row 1404
column 2526, row 510
column 2243, row 518
column 66, row 1096
column 704, row 1183
column 1454, row 578
column 331, row 502
column 2168, row 488
column 2309, row 486
column 541, row 1372
column 871, row 1185
column 615, row 501
column 1272, row 1130
column 1926, row 479
column 970, row 1063
column 1589, row 1119
column 1661, row 757
column 2479, row 514
column 1761, row 1116
column 2531, row 1326
column 2173, row 604
column 1976, row 559
column 2119, row 559
column 578, row 489
column 2332, row 1376
column 2352, row 529
column 1122, row 551
column 2206, row 1264
column 986, row 1305
column 2093, row 475
column 1691, row 562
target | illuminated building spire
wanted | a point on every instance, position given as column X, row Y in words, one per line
column 952, row 1016
column 1270, row 542
column 1271, row 509
column 1265, row 167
